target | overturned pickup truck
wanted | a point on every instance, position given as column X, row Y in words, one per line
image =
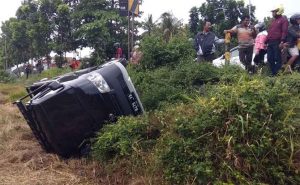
column 66, row 111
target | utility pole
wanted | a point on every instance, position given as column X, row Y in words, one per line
column 132, row 31
column 128, row 35
column 133, row 10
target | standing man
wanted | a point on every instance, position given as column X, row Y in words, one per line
column 27, row 70
column 245, row 34
column 277, row 33
column 205, row 44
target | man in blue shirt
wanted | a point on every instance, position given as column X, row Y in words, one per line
column 205, row 44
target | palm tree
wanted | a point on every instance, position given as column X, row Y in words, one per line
column 148, row 25
column 169, row 24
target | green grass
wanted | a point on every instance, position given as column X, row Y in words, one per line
column 15, row 89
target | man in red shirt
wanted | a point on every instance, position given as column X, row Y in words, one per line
column 119, row 52
column 277, row 33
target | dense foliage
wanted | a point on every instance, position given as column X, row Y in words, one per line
column 206, row 125
column 240, row 132
column 42, row 26
column 157, row 52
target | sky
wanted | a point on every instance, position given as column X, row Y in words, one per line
column 179, row 8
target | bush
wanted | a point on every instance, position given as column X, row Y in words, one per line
column 167, row 84
column 156, row 52
column 244, row 133
column 155, row 89
column 190, row 73
column 212, row 125
column 232, row 74
column 121, row 139
column 5, row 77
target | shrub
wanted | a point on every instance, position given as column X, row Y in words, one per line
column 121, row 139
column 232, row 74
column 154, row 87
column 292, row 82
column 170, row 84
column 156, row 52
column 190, row 73
column 5, row 77
column 215, row 125
column 244, row 133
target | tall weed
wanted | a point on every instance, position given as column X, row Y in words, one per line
column 244, row 133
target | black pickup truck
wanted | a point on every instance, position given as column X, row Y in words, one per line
column 68, row 110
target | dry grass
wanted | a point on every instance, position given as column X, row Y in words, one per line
column 23, row 161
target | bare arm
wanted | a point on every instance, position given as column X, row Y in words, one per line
column 232, row 30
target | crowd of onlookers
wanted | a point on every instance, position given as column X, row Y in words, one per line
column 280, row 41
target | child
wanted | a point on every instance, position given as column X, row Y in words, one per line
column 260, row 48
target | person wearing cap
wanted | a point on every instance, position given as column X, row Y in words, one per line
column 205, row 44
column 119, row 51
column 276, row 38
column 245, row 34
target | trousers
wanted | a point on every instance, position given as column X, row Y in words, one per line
column 274, row 56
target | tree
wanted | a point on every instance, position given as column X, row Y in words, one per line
column 62, row 26
column 62, row 37
column 148, row 25
column 45, row 27
column 38, row 16
column 224, row 14
column 118, row 28
column 90, row 21
column 194, row 21
column 28, row 12
column 7, row 42
column 169, row 25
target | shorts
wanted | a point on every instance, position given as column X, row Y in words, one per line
column 294, row 51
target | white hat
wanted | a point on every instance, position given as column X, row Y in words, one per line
column 279, row 9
